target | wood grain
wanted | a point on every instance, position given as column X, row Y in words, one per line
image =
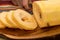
column 37, row 33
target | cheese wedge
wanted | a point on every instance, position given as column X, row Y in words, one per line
column 4, row 20
column 49, row 12
column 24, row 19
column 10, row 20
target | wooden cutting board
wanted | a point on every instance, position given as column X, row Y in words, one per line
column 37, row 33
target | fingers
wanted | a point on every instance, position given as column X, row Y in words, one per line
column 25, row 4
column 14, row 2
column 22, row 3
column 17, row 2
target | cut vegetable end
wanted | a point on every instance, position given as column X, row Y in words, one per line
column 38, row 15
column 28, row 22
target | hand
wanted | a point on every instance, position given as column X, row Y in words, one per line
column 23, row 3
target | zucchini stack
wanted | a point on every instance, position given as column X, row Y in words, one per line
column 17, row 19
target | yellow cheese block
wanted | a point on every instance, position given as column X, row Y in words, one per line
column 25, row 20
column 10, row 20
column 4, row 20
column 48, row 12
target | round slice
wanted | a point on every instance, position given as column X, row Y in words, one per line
column 24, row 19
column 2, row 25
column 10, row 20
column 4, row 20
